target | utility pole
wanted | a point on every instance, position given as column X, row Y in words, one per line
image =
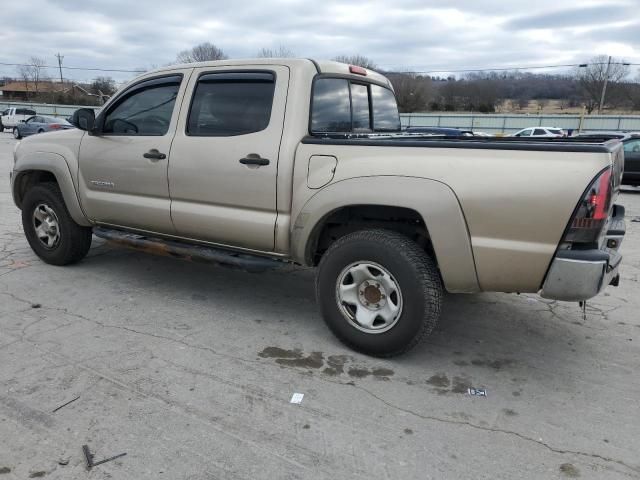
column 61, row 57
column 604, row 86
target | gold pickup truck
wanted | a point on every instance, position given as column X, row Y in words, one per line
column 254, row 163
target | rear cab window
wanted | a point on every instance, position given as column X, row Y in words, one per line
column 343, row 105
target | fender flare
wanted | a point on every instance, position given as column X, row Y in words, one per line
column 435, row 201
column 56, row 165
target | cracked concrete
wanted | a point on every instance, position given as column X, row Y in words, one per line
column 166, row 359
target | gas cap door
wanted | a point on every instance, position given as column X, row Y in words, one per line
column 321, row 170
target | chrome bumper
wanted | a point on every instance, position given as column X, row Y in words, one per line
column 577, row 275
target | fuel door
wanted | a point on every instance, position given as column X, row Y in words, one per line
column 321, row 170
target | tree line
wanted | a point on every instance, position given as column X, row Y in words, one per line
column 483, row 92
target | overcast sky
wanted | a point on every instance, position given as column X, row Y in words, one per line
column 400, row 34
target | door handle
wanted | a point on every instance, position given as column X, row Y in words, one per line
column 253, row 159
column 154, row 154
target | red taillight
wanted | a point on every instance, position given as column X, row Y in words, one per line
column 600, row 199
column 55, row 126
column 357, row 70
column 591, row 215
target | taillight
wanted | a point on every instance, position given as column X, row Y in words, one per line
column 591, row 214
column 55, row 126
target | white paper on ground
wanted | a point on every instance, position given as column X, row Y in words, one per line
column 297, row 398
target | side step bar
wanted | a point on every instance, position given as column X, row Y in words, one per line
column 186, row 251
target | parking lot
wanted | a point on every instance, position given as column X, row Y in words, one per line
column 190, row 370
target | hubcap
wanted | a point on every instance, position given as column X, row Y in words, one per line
column 46, row 225
column 369, row 297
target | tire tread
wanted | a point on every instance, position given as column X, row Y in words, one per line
column 426, row 272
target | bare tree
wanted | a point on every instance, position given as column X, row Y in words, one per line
column 280, row 52
column 413, row 92
column 201, row 53
column 542, row 103
column 357, row 59
column 592, row 78
column 32, row 73
column 104, row 87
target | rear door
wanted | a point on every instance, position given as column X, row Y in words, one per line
column 30, row 126
column 123, row 167
column 224, row 158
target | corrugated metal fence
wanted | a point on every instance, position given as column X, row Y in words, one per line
column 45, row 108
column 510, row 123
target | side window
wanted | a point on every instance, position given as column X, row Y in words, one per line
column 234, row 103
column 5, row 112
column 632, row 146
column 385, row 110
column 145, row 111
column 331, row 107
column 31, row 120
column 539, row 131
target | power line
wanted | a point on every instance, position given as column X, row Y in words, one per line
column 92, row 69
column 500, row 69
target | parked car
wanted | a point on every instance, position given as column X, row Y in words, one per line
column 631, row 146
column 11, row 117
column 541, row 132
column 40, row 124
column 253, row 163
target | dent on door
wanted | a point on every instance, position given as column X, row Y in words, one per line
column 321, row 170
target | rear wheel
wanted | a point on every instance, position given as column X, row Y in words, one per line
column 51, row 232
column 379, row 292
column 16, row 133
column 40, row 130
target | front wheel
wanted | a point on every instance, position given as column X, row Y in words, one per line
column 51, row 232
column 379, row 292
column 16, row 133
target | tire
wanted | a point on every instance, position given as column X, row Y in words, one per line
column 402, row 265
column 16, row 133
column 73, row 241
column 40, row 130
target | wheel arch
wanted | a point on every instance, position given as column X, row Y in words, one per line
column 432, row 205
column 41, row 167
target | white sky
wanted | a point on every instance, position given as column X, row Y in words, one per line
column 401, row 34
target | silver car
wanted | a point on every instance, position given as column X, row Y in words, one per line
column 40, row 124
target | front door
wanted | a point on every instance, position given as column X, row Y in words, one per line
column 123, row 166
column 224, row 158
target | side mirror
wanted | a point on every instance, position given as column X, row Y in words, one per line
column 84, row 119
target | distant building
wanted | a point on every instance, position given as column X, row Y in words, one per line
column 22, row 91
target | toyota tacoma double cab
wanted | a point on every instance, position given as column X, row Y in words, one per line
column 254, row 163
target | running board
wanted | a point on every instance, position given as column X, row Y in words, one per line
column 186, row 251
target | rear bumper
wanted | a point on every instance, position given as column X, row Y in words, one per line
column 577, row 275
